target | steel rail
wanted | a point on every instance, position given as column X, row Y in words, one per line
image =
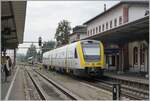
column 124, row 88
column 62, row 89
column 38, row 88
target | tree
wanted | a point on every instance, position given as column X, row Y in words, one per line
column 39, row 56
column 20, row 57
column 31, row 52
column 62, row 33
column 48, row 46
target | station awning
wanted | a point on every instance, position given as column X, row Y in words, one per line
column 12, row 23
column 133, row 31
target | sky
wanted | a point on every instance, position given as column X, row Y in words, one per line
column 42, row 17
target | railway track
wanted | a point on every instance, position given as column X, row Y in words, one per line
column 37, row 86
column 126, row 91
column 65, row 91
column 61, row 88
column 132, row 83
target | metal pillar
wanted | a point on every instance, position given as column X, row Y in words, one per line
column 14, row 58
column 148, row 60
column 116, row 91
column 120, row 59
column 126, row 57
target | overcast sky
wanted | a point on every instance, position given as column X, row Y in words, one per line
column 42, row 17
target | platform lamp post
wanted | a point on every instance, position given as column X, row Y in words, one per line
column 40, row 45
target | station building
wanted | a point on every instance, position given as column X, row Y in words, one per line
column 124, row 31
column 13, row 15
column 79, row 32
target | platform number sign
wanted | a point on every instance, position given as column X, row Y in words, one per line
column 40, row 41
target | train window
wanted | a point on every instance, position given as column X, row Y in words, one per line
column 75, row 54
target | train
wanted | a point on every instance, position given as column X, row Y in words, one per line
column 81, row 58
column 30, row 60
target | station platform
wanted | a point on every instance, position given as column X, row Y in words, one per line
column 130, row 76
column 5, row 85
column 14, row 88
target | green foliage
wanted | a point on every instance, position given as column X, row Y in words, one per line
column 62, row 33
column 20, row 57
column 48, row 46
column 39, row 56
column 31, row 52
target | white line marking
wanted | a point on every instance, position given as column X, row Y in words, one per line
column 11, row 85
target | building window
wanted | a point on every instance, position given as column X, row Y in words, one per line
column 142, row 54
column 115, row 22
column 135, row 53
column 107, row 25
column 99, row 28
column 120, row 20
column 78, row 36
column 111, row 24
column 88, row 33
column 125, row 14
column 96, row 30
column 103, row 27
column 93, row 30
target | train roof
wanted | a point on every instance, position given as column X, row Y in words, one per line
column 69, row 44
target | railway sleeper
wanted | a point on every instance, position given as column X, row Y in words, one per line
column 132, row 84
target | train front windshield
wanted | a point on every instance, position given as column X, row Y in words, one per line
column 91, row 52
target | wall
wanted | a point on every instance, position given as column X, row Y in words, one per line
column 138, row 67
column 137, row 11
column 107, row 17
column 72, row 38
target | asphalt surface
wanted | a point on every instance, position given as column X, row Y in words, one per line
column 18, row 89
column 5, row 85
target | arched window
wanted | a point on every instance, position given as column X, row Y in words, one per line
column 115, row 22
column 120, row 20
column 96, row 30
column 99, row 28
column 135, row 53
column 103, row 27
column 111, row 24
column 107, row 25
column 142, row 54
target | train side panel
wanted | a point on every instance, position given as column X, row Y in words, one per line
column 72, row 58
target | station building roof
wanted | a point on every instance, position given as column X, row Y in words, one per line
column 121, row 2
column 13, row 15
column 132, row 31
